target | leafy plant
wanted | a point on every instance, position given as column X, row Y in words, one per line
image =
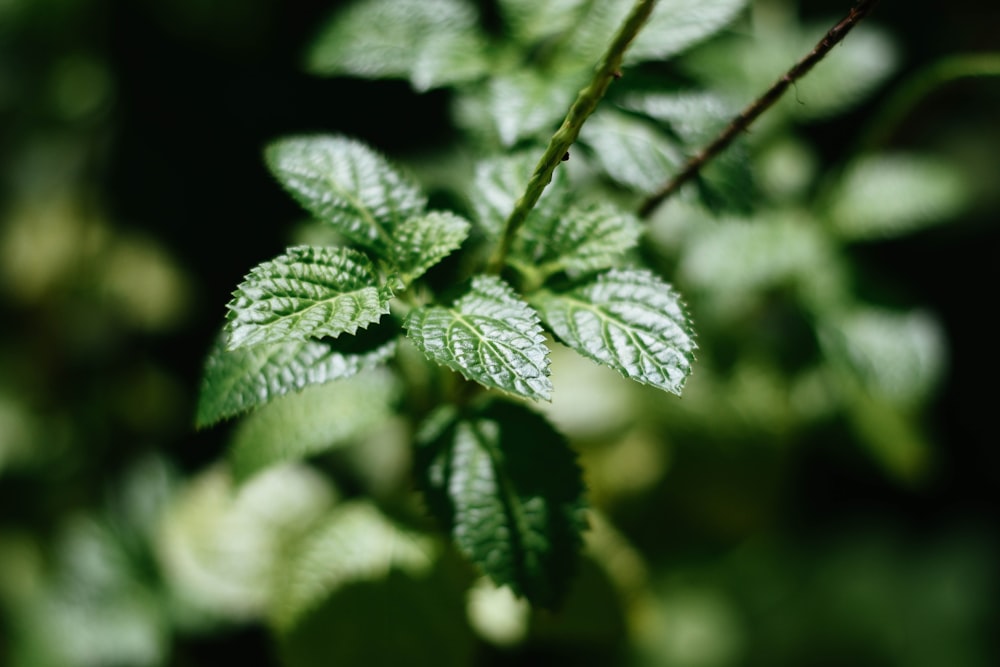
column 447, row 318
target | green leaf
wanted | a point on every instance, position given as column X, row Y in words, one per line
column 235, row 381
column 489, row 336
column 498, row 184
column 308, row 292
column 432, row 43
column 422, row 242
column 356, row 543
column 889, row 195
column 311, row 421
column 578, row 241
column 695, row 117
column 629, row 320
column 676, row 25
column 530, row 21
column 347, row 184
column 527, row 104
column 631, row 151
column 507, row 486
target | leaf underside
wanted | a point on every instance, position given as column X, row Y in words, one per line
column 490, row 336
column 629, row 320
column 508, row 487
column 308, row 292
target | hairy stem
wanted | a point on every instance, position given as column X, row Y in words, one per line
column 586, row 101
column 749, row 114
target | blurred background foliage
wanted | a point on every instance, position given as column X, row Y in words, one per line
column 821, row 495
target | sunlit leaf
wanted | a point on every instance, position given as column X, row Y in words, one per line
column 235, row 381
column 311, row 421
column 355, row 543
column 629, row 320
column 579, row 240
column 347, row 184
column 888, row 195
column 430, row 42
column 693, row 116
column 676, row 25
column 509, row 489
column 307, row 292
column 527, row 104
column 500, row 182
column 421, row 242
column 631, row 151
column 490, row 336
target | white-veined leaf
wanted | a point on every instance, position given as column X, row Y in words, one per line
column 676, row 25
column 423, row 241
column 235, row 381
column 630, row 320
column 430, row 42
column 306, row 293
column 630, row 150
column 500, row 182
column 347, row 184
column 490, row 336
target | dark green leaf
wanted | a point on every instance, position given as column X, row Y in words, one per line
column 490, row 336
column 508, row 487
column 421, row 242
column 629, row 320
column 306, row 293
column 347, row 184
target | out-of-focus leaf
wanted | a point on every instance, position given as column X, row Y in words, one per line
column 508, row 488
column 498, row 184
column 693, row 116
column 629, row 320
column 531, row 21
column 219, row 547
column 490, row 336
column 355, row 543
column 235, row 381
column 347, row 184
column 889, row 195
column 432, row 43
column 308, row 422
column 421, row 242
column 630, row 150
column 526, row 104
column 676, row 25
column 308, row 292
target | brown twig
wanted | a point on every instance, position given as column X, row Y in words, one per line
column 742, row 121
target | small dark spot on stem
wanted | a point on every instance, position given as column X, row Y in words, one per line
column 617, row 74
column 565, row 156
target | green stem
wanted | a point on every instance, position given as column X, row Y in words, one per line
column 586, row 101
column 918, row 86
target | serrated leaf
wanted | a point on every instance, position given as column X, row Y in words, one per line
column 889, row 195
column 629, row 320
column 308, row 292
column 507, row 486
column 500, row 182
column 631, row 151
column 348, row 185
column 356, row 543
column 421, row 242
column 490, row 336
column 311, row 421
column 235, row 381
column 430, row 42
column 676, row 25
column 579, row 240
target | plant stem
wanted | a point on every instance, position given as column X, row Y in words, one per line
column 749, row 114
column 586, row 101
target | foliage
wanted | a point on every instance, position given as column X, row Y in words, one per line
column 449, row 431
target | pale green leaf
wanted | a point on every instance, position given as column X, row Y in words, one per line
column 355, row 543
column 432, row 43
column 579, row 240
column 346, row 184
column 421, row 242
column 490, row 336
column 526, row 104
column 530, row 21
column 308, row 292
column 676, row 25
column 235, row 381
column 889, row 195
column 693, row 116
column 508, row 487
column 629, row 320
column 500, row 182
column 631, row 151
column 316, row 419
